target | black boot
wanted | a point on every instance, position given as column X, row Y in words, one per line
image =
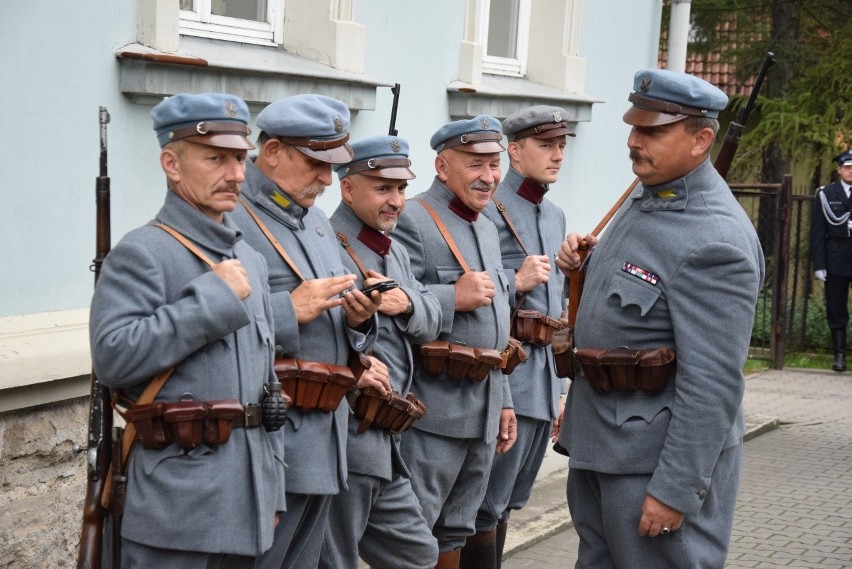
column 480, row 551
column 838, row 338
column 501, row 542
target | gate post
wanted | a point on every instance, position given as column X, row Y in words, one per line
column 781, row 256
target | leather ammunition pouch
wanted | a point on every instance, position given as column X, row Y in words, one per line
column 314, row 385
column 562, row 346
column 188, row 422
column 359, row 363
column 458, row 361
column 512, row 355
column 533, row 327
column 391, row 412
column 627, row 370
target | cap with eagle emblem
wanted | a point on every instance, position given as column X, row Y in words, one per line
column 214, row 119
column 662, row 96
column 383, row 156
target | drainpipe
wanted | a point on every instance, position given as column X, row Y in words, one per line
column 678, row 35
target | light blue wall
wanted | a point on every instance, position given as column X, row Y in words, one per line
column 58, row 65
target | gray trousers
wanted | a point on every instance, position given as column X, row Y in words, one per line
column 299, row 533
column 513, row 473
column 449, row 477
column 379, row 520
column 138, row 556
column 606, row 508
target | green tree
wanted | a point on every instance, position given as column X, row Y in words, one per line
column 805, row 107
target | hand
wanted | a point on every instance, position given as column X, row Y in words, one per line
column 534, row 270
column 557, row 422
column 568, row 258
column 508, row 431
column 313, row 297
column 359, row 307
column 821, row 274
column 394, row 301
column 376, row 377
column 235, row 276
column 474, row 290
column 656, row 516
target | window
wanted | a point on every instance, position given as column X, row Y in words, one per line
column 248, row 21
column 503, row 31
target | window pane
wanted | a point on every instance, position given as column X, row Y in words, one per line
column 186, row 5
column 243, row 9
column 503, row 28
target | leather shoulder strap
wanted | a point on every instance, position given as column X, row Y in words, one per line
column 273, row 240
column 345, row 242
column 451, row 243
column 505, row 214
column 186, row 243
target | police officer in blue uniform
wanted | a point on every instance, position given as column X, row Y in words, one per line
column 831, row 250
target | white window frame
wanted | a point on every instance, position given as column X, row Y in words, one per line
column 200, row 22
column 512, row 67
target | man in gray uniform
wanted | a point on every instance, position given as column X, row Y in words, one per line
column 656, row 446
column 531, row 229
column 316, row 319
column 450, row 450
column 379, row 516
column 159, row 307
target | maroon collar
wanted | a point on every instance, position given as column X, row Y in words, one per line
column 461, row 210
column 375, row 240
column 531, row 191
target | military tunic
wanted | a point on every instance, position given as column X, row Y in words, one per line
column 535, row 388
column 156, row 305
column 680, row 267
column 379, row 515
column 462, row 423
column 315, row 440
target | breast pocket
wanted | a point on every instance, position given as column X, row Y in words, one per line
column 630, row 291
column 448, row 275
column 283, row 283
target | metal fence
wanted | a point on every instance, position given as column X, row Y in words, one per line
column 790, row 313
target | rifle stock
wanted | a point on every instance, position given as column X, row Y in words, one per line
column 99, row 451
column 729, row 147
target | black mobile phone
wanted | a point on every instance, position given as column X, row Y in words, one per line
column 382, row 286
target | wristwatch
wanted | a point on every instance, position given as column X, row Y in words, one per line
column 409, row 310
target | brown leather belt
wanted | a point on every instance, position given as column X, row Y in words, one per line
column 188, row 422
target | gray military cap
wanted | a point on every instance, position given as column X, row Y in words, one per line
column 316, row 125
column 479, row 135
column 214, row 119
column 539, row 121
column 662, row 96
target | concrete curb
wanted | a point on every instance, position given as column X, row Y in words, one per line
column 526, row 531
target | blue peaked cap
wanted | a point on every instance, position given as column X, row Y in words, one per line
column 315, row 124
column 214, row 119
column 479, row 135
column 661, row 96
column 379, row 156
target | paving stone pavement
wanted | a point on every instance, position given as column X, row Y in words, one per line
column 794, row 507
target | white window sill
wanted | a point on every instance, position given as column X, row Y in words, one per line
column 501, row 96
column 257, row 74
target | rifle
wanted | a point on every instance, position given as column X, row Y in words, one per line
column 395, row 90
column 99, row 449
column 735, row 129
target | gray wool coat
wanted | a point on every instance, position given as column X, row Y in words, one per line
column 316, row 440
column 373, row 451
column 703, row 267
column 535, row 387
column 459, row 409
column 156, row 305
